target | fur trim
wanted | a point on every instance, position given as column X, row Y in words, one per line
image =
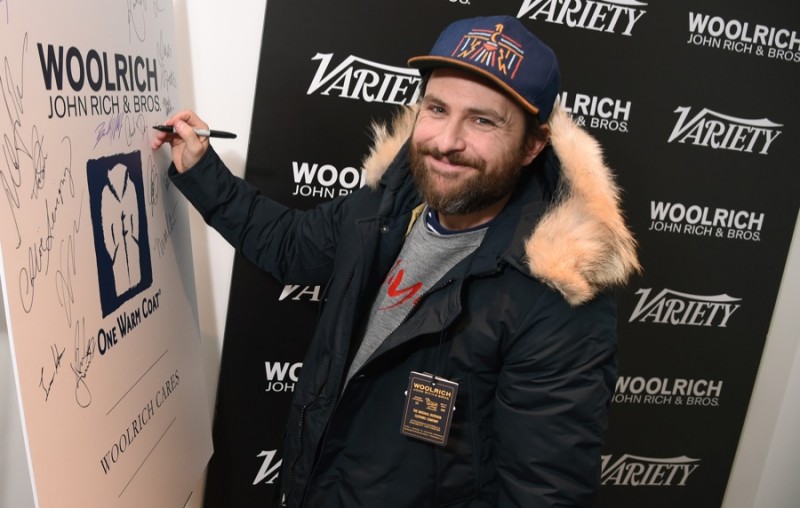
column 582, row 245
column 386, row 143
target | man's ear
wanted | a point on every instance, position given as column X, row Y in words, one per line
column 535, row 144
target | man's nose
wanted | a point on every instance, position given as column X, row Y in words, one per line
column 450, row 137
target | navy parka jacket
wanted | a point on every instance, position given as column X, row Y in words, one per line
column 532, row 350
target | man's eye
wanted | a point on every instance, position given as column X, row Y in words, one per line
column 484, row 122
column 436, row 109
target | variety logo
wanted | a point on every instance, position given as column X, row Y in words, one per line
column 597, row 112
column 360, row 79
column 718, row 131
column 675, row 308
column 270, row 468
column 635, row 471
column 282, row 376
column 742, row 37
column 610, row 16
column 665, row 391
column 325, row 180
column 705, row 221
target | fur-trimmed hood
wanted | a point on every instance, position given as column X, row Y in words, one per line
column 581, row 245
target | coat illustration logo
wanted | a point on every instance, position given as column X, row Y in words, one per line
column 119, row 222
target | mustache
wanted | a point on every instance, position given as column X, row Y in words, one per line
column 456, row 158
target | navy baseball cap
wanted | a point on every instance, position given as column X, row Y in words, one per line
column 503, row 50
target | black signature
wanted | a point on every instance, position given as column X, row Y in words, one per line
column 163, row 241
column 39, row 251
column 155, row 177
column 134, row 127
column 38, row 262
column 83, row 355
column 12, row 98
column 67, row 268
column 56, row 364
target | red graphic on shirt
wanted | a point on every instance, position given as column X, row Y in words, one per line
column 394, row 291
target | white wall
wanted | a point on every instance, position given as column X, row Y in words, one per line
column 220, row 47
column 765, row 472
column 217, row 77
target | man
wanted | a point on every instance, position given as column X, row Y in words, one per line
column 466, row 349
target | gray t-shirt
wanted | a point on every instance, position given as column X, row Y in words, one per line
column 425, row 257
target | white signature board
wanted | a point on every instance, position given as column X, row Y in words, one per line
column 96, row 256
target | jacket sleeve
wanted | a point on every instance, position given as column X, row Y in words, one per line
column 290, row 244
column 552, row 401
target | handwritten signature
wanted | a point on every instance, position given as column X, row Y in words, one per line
column 155, row 180
column 39, row 251
column 136, row 20
column 111, row 129
column 133, row 127
column 164, row 52
column 56, row 365
column 14, row 147
column 158, row 7
column 118, row 125
column 38, row 261
column 67, row 268
column 163, row 241
column 168, row 107
column 83, row 356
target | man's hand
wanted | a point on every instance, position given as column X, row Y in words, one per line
column 187, row 147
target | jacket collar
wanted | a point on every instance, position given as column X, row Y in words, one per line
column 575, row 236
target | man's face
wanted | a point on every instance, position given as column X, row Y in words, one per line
column 468, row 145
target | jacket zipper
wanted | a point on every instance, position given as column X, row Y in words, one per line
column 301, row 422
column 338, row 400
column 430, row 290
column 300, row 425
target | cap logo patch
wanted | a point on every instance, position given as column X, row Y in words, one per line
column 491, row 49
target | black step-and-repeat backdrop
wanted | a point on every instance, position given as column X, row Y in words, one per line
column 696, row 106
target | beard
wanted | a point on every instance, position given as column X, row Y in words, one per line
column 476, row 192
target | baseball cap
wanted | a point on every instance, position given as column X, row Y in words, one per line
column 503, row 50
